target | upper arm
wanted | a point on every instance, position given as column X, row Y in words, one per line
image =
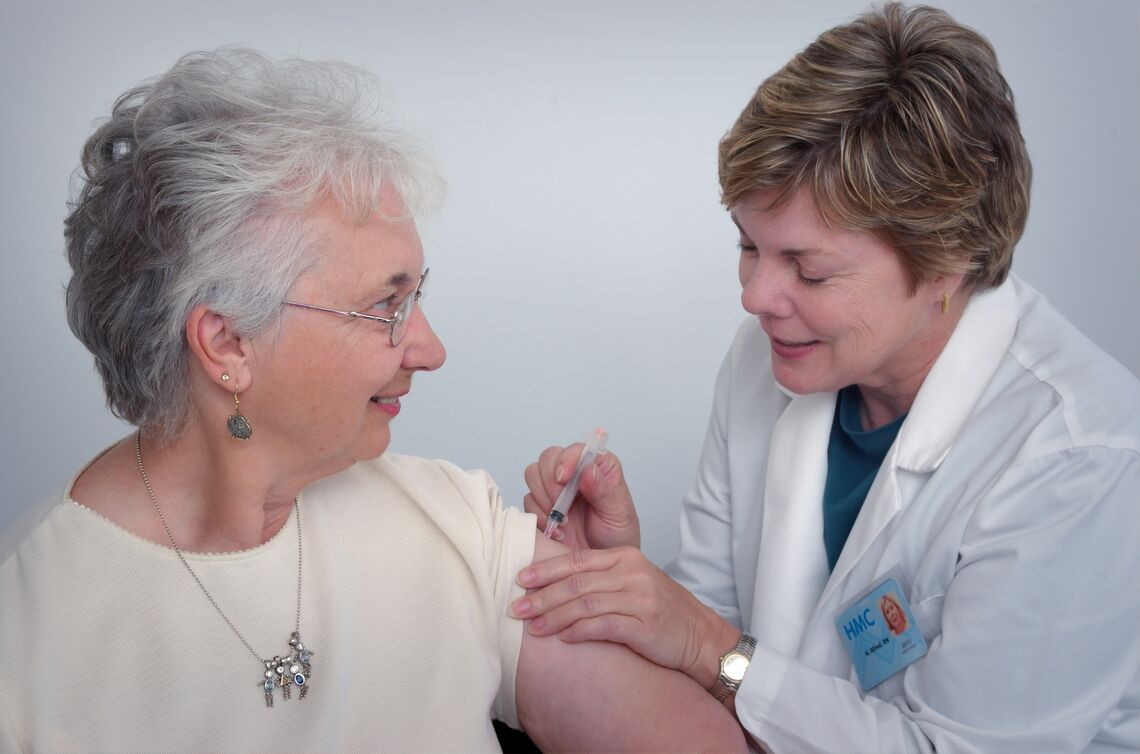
column 598, row 696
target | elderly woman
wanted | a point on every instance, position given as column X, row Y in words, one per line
column 250, row 571
column 899, row 414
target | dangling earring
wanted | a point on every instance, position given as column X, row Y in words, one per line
column 238, row 425
column 945, row 303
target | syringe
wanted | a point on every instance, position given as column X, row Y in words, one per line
column 594, row 445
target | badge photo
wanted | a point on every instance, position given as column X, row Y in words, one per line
column 880, row 633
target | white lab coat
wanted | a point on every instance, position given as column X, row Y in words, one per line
column 1011, row 502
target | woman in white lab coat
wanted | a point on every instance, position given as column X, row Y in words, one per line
column 899, row 416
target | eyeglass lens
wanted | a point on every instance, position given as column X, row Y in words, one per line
column 404, row 313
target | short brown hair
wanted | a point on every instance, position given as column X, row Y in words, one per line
column 899, row 123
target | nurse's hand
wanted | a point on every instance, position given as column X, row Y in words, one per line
column 618, row 595
column 602, row 514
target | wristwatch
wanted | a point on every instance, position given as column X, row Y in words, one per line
column 733, row 666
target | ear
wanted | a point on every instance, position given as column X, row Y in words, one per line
column 218, row 349
column 950, row 285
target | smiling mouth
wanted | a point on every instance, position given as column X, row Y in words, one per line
column 386, row 401
column 794, row 344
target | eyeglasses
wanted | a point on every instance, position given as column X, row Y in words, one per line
column 397, row 323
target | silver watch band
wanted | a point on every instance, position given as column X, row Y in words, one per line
column 725, row 685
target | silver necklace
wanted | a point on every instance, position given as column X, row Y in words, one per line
column 283, row 672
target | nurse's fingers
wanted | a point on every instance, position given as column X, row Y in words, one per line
column 615, row 627
column 545, row 572
column 605, row 617
column 662, row 645
column 578, row 596
column 540, row 482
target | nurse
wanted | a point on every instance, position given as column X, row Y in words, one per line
column 898, row 414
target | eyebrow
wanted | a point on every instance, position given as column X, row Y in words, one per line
column 784, row 252
column 400, row 278
column 373, row 294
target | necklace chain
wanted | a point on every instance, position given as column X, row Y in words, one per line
column 294, row 642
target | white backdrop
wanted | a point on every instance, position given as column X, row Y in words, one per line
column 582, row 270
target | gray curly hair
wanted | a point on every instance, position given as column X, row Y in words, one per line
column 194, row 191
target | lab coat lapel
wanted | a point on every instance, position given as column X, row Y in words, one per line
column 883, row 501
column 792, row 564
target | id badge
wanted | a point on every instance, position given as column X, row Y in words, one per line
column 880, row 633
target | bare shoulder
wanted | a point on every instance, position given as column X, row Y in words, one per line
column 599, row 696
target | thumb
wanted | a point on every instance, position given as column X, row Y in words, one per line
column 603, row 485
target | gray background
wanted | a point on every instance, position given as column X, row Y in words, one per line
column 582, row 270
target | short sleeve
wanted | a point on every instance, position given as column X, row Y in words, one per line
column 515, row 531
column 507, row 547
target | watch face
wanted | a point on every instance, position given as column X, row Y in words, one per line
column 734, row 666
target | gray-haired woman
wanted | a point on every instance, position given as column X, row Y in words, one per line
column 249, row 571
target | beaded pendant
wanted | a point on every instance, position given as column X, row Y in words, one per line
column 284, row 673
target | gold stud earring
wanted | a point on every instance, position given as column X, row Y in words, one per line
column 225, row 376
column 238, row 425
column 945, row 303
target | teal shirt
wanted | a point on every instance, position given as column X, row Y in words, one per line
column 853, row 459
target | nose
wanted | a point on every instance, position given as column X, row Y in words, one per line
column 764, row 290
column 423, row 350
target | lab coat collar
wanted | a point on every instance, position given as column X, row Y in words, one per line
column 956, row 381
